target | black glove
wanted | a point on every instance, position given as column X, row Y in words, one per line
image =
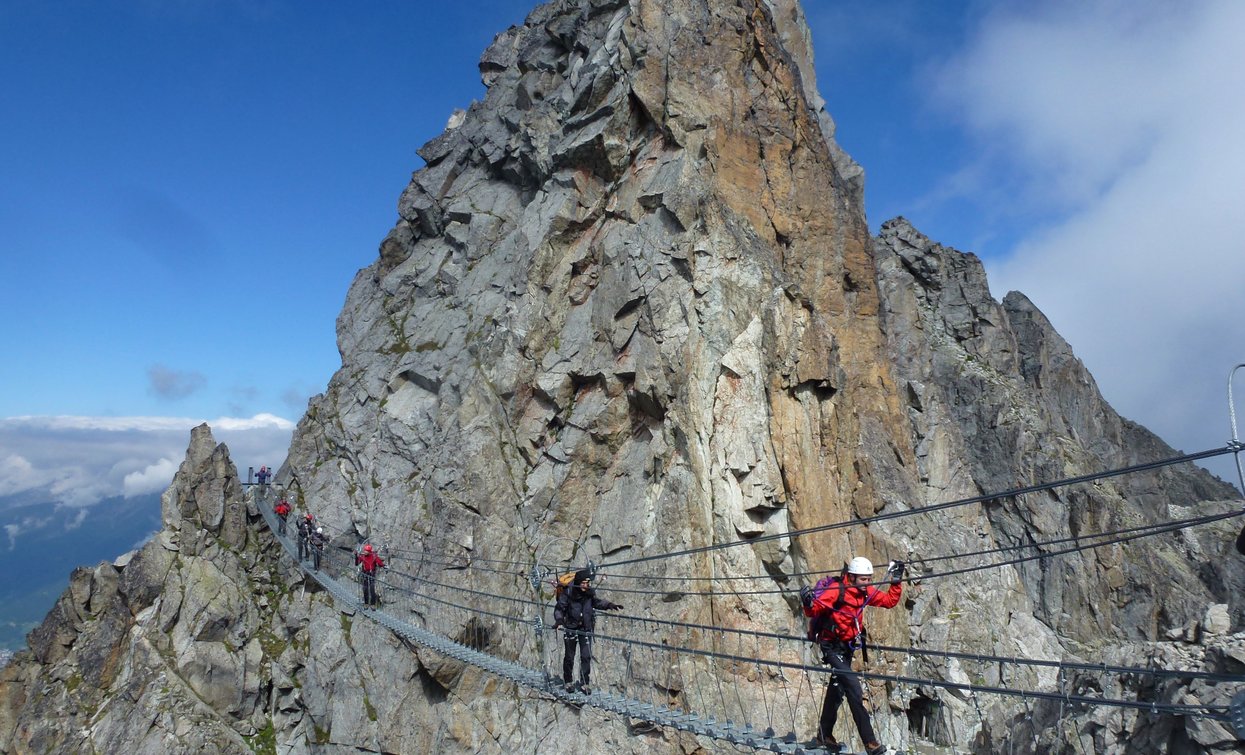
column 617, row 607
column 806, row 596
column 897, row 570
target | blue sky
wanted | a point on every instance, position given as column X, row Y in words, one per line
column 187, row 188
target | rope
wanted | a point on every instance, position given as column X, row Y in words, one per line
column 1098, row 667
column 930, row 509
column 1080, row 666
column 1208, row 711
column 1216, row 712
column 1126, row 535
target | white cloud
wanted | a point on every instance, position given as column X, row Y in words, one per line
column 81, row 460
column 1123, row 119
column 75, row 521
column 26, row 524
column 153, row 479
column 258, row 422
column 16, row 474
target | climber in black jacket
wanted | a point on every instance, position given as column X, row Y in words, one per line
column 575, row 614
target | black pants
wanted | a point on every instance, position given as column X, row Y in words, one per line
column 317, row 551
column 280, row 525
column 304, row 549
column 368, row 580
column 839, row 656
column 585, row 655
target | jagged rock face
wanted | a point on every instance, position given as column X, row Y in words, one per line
column 631, row 307
column 997, row 400
column 157, row 652
column 632, row 279
column 631, row 304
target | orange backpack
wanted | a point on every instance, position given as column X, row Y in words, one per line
column 562, row 583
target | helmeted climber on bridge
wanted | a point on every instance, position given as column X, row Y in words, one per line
column 575, row 614
column 305, row 527
column 369, row 562
column 836, row 608
column 282, row 510
column 317, row 541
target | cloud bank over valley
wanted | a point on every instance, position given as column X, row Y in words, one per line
column 79, row 461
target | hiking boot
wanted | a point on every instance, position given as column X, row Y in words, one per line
column 585, row 689
column 829, row 744
column 873, row 748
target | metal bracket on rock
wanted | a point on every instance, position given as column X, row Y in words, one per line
column 1236, row 714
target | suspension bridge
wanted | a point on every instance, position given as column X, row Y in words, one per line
column 743, row 687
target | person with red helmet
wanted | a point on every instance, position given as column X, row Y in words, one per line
column 282, row 510
column 836, row 609
column 369, row 561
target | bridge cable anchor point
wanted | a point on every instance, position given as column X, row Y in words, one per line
column 1236, row 714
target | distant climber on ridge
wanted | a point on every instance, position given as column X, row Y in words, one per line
column 574, row 613
column 836, row 607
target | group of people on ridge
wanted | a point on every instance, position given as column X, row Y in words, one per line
column 835, row 609
column 311, row 537
column 311, row 542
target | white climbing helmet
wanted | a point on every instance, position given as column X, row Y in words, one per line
column 319, row 530
column 860, row 566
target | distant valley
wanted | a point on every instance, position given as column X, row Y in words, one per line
column 41, row 542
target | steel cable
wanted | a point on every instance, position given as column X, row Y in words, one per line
column 929, row 509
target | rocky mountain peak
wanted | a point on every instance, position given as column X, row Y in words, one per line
column 159, row 650
column 631, row 308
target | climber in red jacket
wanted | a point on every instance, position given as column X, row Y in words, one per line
column 369, row 561
column 282, row 510
column 836, row 609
